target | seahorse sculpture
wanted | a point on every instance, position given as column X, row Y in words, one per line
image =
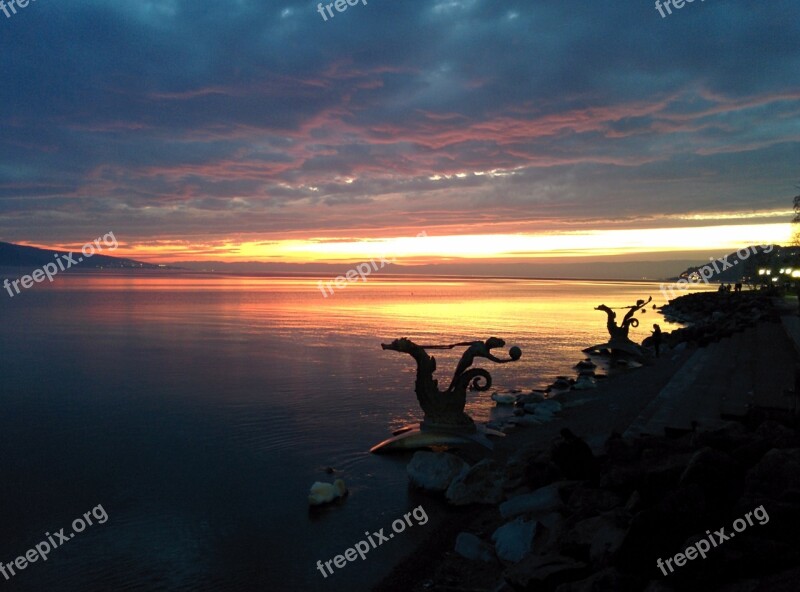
column 443, row 409
column 620, row 342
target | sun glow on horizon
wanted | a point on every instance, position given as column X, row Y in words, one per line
column 470, row 247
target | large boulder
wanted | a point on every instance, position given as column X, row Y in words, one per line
column 480, row 484
column 596, row 539
column 434, row 471
column 471, row 547
column 514, row 540
column 542, row 501
column 717, row 473
column 776, row 474
column 548, row 407
column 550, row 529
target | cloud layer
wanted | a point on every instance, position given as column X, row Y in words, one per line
column 191, row 120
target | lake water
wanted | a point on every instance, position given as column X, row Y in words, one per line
column 198, row 410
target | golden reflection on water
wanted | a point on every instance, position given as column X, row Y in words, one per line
column 462, row 308
column 551, row 320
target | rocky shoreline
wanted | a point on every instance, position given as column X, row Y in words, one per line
column 559, row 515
column 711, row 316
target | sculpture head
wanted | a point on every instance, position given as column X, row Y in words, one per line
column 493, row 342
column 402, row 345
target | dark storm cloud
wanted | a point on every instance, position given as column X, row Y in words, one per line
column 159, row 117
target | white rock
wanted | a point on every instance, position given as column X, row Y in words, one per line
column 514, row 540
column 543, row 411
column 480, row 484
column 601, row 534
column 434, row 471
column 471, row 547
column 548, row 406
column 542, row 501
column 584, row 383
column 504, row 398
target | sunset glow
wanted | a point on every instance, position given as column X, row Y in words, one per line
column 497, row 247
column 330, row 155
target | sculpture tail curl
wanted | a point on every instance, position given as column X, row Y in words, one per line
column 472, row 379
column 634, row 322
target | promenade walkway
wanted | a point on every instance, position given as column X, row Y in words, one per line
column 754, row 368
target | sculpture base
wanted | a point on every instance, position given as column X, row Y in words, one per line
column 463, row 428
column 418, row 438
column 618, row 347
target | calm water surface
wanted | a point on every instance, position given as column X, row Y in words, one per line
column 198, row 410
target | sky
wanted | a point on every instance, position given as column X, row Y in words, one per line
column 525, row 132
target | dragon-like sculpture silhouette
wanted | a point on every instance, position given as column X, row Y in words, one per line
column 619, row 341
column 444, row 410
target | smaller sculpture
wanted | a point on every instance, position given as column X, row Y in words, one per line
column 619, row 341
column 628, row 320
